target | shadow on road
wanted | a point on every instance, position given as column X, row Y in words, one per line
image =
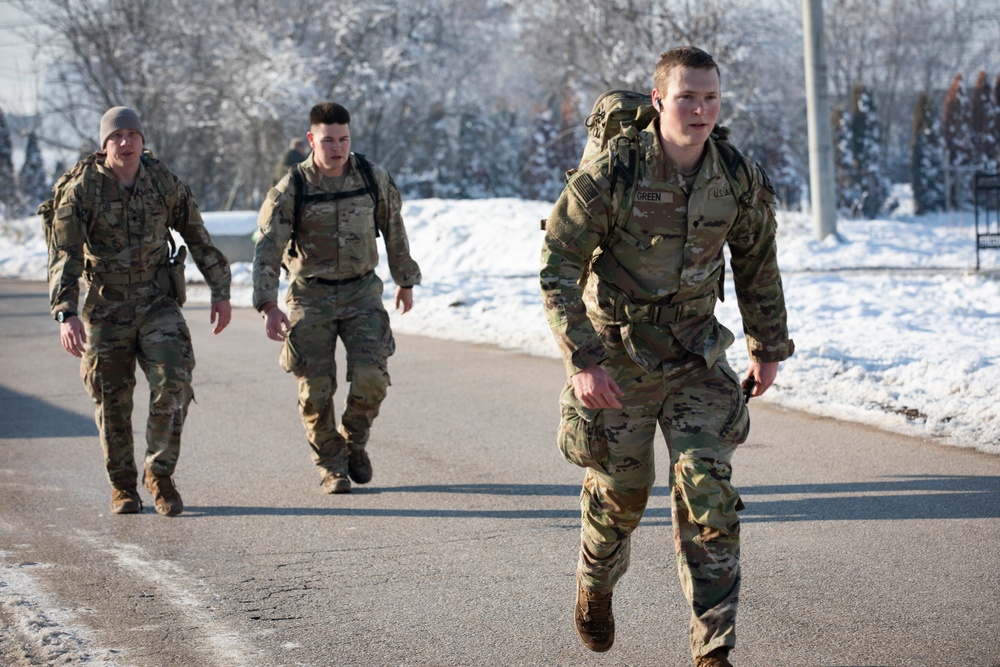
column 26, row 295
column 24, row 416
column 894, row 498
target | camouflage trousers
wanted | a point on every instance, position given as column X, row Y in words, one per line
column 703, row 417
column 320, row 314
column 152, row 332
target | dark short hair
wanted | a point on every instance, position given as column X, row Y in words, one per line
column 329, row 113
column 690, row 57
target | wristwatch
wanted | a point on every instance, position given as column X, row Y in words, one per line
column 64, row 315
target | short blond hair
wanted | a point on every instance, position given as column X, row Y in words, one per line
column 690, row 57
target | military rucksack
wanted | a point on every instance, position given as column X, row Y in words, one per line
column 47, row 209
column 614, row 124
column 91, row 193
column 91, row 186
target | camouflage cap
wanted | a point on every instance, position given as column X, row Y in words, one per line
column 120, row 118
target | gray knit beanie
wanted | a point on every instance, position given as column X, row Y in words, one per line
column 120, row 118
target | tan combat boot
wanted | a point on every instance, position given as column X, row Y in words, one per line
column 716, row 658
column 336, row 483
column 359, row 467
column 125, row 501
column 166, row 499
column 594, row 621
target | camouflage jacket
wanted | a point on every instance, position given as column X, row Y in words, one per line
column 334, row 240
column 102, row 231
column 651, row 283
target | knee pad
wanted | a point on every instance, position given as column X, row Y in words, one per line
column 704, row 489
column 315, row 392
column 368, row 380
column 611, row 514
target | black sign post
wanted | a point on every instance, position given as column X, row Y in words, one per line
column 987, row 212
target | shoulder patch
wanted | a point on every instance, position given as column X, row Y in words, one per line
column 585, row 188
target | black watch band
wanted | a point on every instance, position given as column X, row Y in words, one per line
column 64, row 315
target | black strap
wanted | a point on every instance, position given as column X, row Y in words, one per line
column 301, row 199
column 332, row 196
column 628, row 173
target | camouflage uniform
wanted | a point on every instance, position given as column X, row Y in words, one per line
column 116, row 239
column 334, row 292
column 645, row 312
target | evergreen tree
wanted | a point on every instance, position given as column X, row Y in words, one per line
column 58, row 170
column 983, row 121
column 848, row 195
column 775, row 153
column 926, row 158
column 539, row 176
column 33, row 182
column 556, row 143
column 868, row 169
column 491, row 173
column 572, row 134
column 956, row 131
column 8, row 186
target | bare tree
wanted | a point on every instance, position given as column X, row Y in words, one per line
column 443, row 92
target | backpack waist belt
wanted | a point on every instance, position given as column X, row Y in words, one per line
column 345, row 281
column 667, row 313
column 125, row 277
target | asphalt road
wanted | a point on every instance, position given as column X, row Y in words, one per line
column 861, row 548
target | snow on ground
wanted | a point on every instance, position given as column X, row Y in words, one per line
column 892, row 328
column 35, row 631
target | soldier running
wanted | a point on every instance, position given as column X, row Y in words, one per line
column 630, row 276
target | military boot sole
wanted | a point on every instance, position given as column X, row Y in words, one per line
column 164, row 506
column 126, row 505
column 359, row 467
column 169, row 509
column 331, row 484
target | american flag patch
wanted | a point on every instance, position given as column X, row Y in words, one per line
column 585, row 188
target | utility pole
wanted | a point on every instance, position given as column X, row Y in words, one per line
column 823, row 194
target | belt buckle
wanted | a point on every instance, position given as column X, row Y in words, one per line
column 666, row 314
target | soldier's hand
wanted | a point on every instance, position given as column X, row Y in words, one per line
column 404, row 296
column 763, row 375
column 72, row 336
column 595, row 388
column 223, row 311
column 276, row 324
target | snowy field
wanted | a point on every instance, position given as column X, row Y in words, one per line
column 892, row 328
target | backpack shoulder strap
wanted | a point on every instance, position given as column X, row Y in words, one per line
column 298, row 180
column 746, row 179
column 368, row 174
column 301, row 198
column 163, row 179
column 624, row 167
column 739, row 170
